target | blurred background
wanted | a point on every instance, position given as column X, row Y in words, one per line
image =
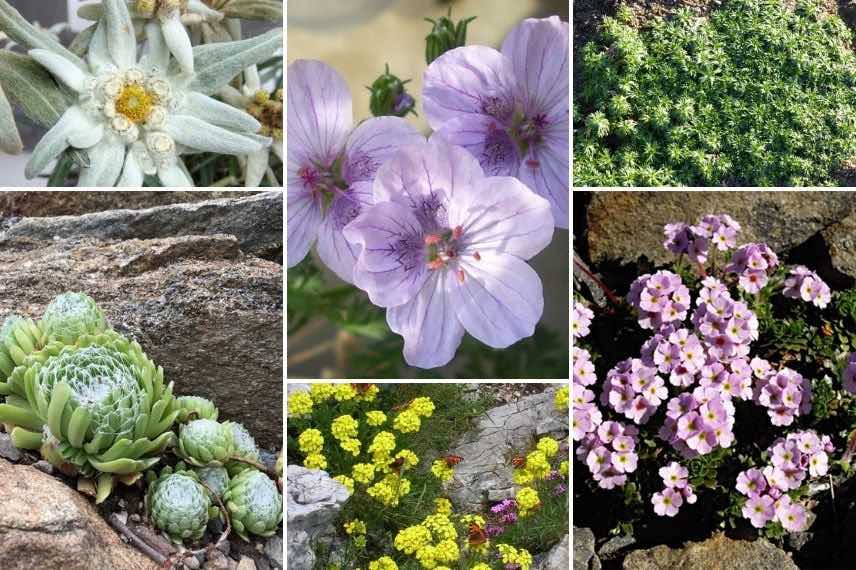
column 357, row 38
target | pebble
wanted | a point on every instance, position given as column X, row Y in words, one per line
column 44, row 466
column 246, row 563
column 7, row 450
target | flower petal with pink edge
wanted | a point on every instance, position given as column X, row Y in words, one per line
column 501, row 214
column 469, row 81
column 319, row 112
column 499, row 300
column 372, row 143
column 538, row 51
column 304, row 217
column 391, row 267
column 428, row 324
column 333, row 249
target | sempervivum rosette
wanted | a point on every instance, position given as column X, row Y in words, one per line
column 244, row 448
column 179, row 505
column 18, row 338
column 196, row 408
column 216, row 478
column 254, row 504
column 205, row 443
column 71, row 315
column 99, row 407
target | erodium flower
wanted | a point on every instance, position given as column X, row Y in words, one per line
column 331, row 164
column 444, row 249
column 509, row 109
column 136, row 118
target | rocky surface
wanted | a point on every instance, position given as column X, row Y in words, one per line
column 584, row 555
column 840, row 240
column 43, row 203
column 45, row 525
column 716, row 553
column 255, row 220
column 199, row 304
column 486, row 472
column 624, row 226
column 313, row 500
column 557, row 558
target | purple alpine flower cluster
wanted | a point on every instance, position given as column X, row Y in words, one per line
column 587, row 416
column 799, row 455
column 802, row 283
column 581, row 320
column 610, row 453
column 633, row 389
column 753, row 263
column 439, row 232
column 697, row 423
column 661, row 299
column 695, row 241
column 848, row 378
column 506, row 512
column 785, row 393
column 676, row 490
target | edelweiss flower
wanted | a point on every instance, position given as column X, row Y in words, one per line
column 171, row 17
column 509, row 109
column 266, row 107
column 135, row 119
column 444, row 248
column 331, row 166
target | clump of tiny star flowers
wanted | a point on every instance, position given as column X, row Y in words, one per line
column 609, row 453
column 694, row 241
column 676, row 490
column 513, row 120
column 331, row 164
column 661, row 299
column 698, row 422
column 785, row 393
column 444, row 248
column 135, row 119
column 581, row 320
column 586, row 415
column 848, row 377
column 753, row 263
column 802, row 283
column 793, row 459
column 633, row 389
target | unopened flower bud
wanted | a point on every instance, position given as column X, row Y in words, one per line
column 445, row 35
column 389, row 96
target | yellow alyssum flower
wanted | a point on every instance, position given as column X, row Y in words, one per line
column 562, row 396
column 344, row 392
column 411, row 539
column 375, row 418
column 299, row 404
column 511, row 555
column 427, row 556
column 310, row 441
column 563, row 468
column 389, row 489
column 355, row 526
column 368, row 395
column 440, row 526
column 446, row 551
column 321, row 392
column 442, row 506
column 363, row 473
column 410, row 458
column 351, row 445
column 527, row 499
column 480, row 566
column 383, row 563
column 522, row 477
column 407, row 422
column 315, row 461
column 537, row 464
column 381, row 447
column 471, row 518
column 441, row 470
column 346, row 481
column 422, row 406
column 344, row 427
column 548, row 445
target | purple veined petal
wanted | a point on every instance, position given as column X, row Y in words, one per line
column 334, row 250
column 319, row 112
column 545, row 170
column 501, row 214
column 372, row 143
column 424, row 177
column 499, row 300
column 428, row 324
column 469, row 81
column 483, row 138
column 538, row 51
column 391, row 267
column 304, row 218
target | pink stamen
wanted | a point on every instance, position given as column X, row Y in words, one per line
column 477, row 256
column 457, row 232
column 433, row 239
column 436, row 264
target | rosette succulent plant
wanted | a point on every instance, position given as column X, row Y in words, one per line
column 71, row 315
column 205, row 443
column 179, row 505
column 196, row 407
column 96, row 408
column 254, row 504
column 244, row 447
column 217, row 479
column 18, row 338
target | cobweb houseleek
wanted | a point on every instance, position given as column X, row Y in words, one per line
column 136, row 118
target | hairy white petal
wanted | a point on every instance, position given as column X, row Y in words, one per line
column 105, row 163
column 257, row 164
column 175, row 175
column 98, row 55
column 203, row 136
column 158, row 52
column 132, row 174
column 218, row 113
column 234, row 97
column 209, row 14
column 120, row 33
column 74, row 128
column 61, row 68
column 175, row 35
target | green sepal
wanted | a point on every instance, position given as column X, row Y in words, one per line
column 26, row 439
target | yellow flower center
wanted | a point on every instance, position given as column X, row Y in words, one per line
column 135, row 103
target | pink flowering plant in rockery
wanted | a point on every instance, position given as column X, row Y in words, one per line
column 435, row 234
column 720, row 390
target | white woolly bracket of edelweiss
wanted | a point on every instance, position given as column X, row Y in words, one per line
column 136, row 118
